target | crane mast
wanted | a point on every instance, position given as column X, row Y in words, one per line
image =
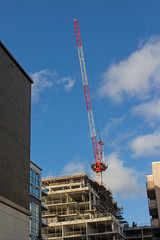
column 99, row 166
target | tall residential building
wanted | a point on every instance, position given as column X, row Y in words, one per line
column 15, row 114
column 79, row 208
column 153, row 193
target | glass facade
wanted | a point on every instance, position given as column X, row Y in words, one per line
column 34, row 221
column 34, row 183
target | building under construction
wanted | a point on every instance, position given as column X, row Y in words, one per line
column 80, row 208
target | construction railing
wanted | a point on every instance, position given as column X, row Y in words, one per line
column 70, row 233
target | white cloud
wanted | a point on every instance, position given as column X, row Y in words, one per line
column 42, row 80
column 48, row 175
column 69, row 83
column 136, row 75
column 122, row 180
column 74, row 167
column 47, row 79
column 119, row 141
column 113, row 122
column 150, row 110
column 146, row 145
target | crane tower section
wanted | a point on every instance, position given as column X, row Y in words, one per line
column 99, row 166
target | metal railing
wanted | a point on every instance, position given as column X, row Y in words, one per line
column 56, row 201
column 65, row 212
column 74, row 211
column 69, row 233
column 65, row 175
column 77, row 232
column 60, row 201
column 53, row 235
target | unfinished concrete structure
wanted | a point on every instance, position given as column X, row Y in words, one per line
column 138, row 232
column 80, row 208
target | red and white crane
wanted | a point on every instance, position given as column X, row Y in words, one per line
column 99, row 166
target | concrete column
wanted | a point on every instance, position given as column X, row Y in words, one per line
column 86, row 229
column 67, row 200
column 142, row 233
column 90, row 201
column 62, row 232
column 112, row 226
column 94, row 199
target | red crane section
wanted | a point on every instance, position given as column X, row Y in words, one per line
column 99, row 166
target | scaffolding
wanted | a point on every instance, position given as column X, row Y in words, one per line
column 80, row 208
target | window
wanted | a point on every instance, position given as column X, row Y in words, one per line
column 34, row 183
column 34, row 221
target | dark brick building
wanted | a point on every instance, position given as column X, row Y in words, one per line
column 15, row 114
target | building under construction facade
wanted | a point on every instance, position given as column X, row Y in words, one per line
column 79, row 208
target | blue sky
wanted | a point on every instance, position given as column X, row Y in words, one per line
column 121, row 43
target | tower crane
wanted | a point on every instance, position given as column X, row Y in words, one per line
column 99, row 166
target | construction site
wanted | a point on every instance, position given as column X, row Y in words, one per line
column 81, row 208
column 78, row 207
column 123, row 46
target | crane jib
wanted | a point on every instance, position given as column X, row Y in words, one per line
column 98, row 167
column 86, row 90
